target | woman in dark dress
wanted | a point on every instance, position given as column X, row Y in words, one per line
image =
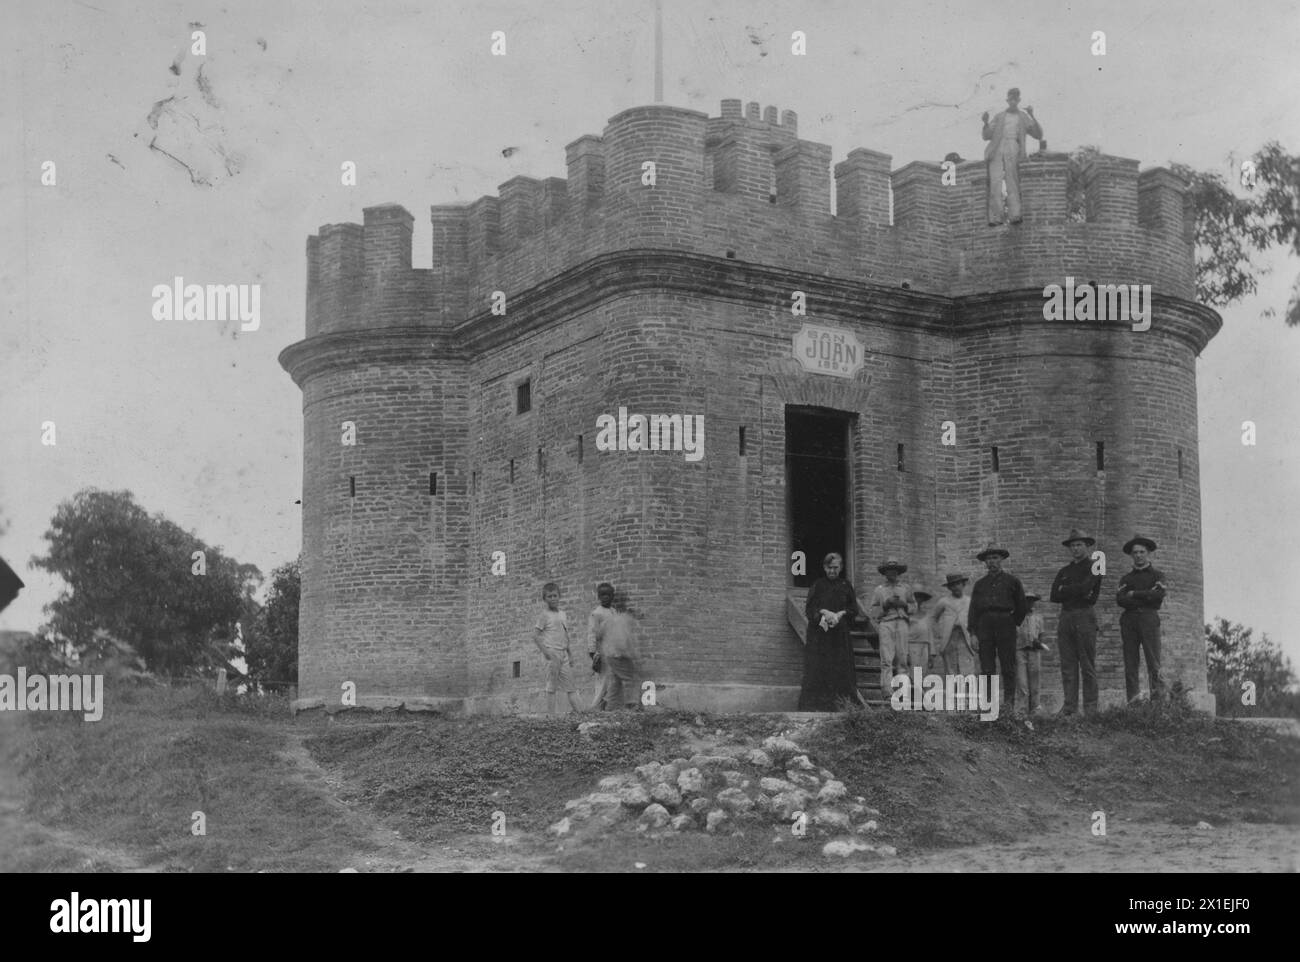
column 828, row 670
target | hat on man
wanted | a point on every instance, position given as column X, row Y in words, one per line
column 993, row 550
column 955, row 578
column 1030, row 596
column 1138, row 539
column 918, row 591
column 1077, row 535
column 891, row 563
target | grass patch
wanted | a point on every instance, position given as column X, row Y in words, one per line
column 133, row 780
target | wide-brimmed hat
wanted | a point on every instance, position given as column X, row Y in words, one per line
column 1077, row 535
column 891, row 563
column 1030, row 596
column 993, row 549
column 955, row 578
column 1138, row 539
column 918, row 591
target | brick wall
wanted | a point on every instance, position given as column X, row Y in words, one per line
column 383, row 569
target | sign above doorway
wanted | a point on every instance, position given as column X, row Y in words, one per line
column 828, row 350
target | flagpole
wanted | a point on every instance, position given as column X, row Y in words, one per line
column 659, row 51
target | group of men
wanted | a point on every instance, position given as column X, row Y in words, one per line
column 997, row 625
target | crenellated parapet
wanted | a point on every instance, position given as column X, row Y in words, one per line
column 745, row 186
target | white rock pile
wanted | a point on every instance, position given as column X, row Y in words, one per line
column 725, row 792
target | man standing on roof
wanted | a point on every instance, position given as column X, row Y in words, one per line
column 1006, row 149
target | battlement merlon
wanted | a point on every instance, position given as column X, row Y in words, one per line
column 745, row 182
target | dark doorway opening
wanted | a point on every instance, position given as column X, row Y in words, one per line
column 818, row 480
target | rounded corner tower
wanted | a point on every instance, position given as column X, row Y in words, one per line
column 916, row 384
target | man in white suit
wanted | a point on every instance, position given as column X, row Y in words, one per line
column 1006, row 136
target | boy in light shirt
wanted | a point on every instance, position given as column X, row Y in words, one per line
column 892, row 607
column 552, row 639
column 955, row 647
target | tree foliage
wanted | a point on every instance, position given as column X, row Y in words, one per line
column 1234, row 657
column 129, row 576
column 1230, row 229
column 271, row 647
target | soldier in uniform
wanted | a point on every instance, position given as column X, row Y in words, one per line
column 1075, row 590
column 1141, row 593
column 997, row 607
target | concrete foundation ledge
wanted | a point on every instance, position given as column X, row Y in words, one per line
column 694, row 697
column 717, row 699
column 381, row 703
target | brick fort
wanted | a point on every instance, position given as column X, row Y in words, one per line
column 475, row 430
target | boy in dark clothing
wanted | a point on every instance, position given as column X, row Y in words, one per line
column 596, row 622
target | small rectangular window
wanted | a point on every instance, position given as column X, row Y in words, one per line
column 1180, row 462
column 900, row 457
column 473, row 482
column 352, row 486
column 742, row 442
column 541, row 467
column 433, row 482
column 523, row 397
column 512, row 470
column 514, row 669
column 579, row 448
column 996, row 465
column 1101, row 456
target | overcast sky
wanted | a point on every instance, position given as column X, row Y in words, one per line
column 199, row 421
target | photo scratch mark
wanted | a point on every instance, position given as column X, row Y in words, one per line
column 205, row 88
column 157, row 110
column 977, row 91
column 153, row 145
